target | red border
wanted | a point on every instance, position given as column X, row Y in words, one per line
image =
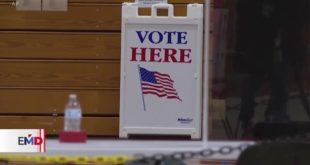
column 44, row 141
column 40, row 136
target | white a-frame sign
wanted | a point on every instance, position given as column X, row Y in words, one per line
column 161, row 72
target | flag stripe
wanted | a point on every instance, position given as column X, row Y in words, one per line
column 165, row 82
column 146, row 84
column 169, row 89
column 164, row 78
column 171, row 94
column 159, row 95
column 173, row 97
column 162, row 75
column 151, row 89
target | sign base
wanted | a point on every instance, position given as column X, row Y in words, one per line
column 73, row 137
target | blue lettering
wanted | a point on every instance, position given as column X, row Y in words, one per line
column 29, row 141
column 156, row 37
column 159, row 38
column 142, row 38
column 169, row 39
column 182, row 38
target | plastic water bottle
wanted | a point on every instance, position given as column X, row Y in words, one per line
column 73, row 114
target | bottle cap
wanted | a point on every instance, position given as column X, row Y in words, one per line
column 72, row 96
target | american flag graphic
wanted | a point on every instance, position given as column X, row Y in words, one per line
column 159, row 84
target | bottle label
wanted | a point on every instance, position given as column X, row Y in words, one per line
column 73, row 113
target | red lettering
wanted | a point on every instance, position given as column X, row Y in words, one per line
column 185, row 55
column 167, row 55
column 170, row 55
column 155, row 52
column 38, row 141
column 134, row 54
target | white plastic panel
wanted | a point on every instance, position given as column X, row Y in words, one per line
column 161, row 72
